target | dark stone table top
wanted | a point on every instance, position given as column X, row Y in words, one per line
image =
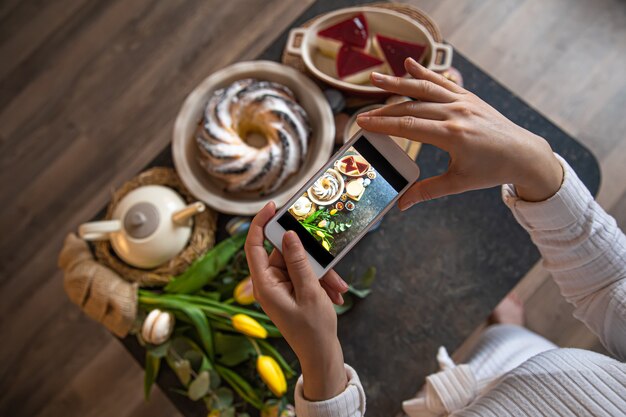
column 442, row 266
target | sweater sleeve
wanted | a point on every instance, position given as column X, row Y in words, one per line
column 350, row 403
column 585, row 251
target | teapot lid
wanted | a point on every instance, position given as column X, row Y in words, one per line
column 141, row 220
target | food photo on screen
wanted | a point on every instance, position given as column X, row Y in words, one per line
column 343, row 201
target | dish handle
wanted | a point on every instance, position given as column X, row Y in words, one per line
column 296, row 37
column 446, row 57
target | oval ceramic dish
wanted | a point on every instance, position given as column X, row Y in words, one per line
column 383, row 21
column 209, row 189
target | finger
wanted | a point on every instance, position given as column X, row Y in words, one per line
column 255, row 251
column 413, row 128
column 334, row 281
column 422, row 73
column 277, row 260
column 334, row 296
column 298, row 266
column 419, row 109
column 430, row 189
column 420, row 89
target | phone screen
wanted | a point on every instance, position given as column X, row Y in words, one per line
column 343, row 201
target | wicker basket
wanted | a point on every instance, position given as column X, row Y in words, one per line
column 202, row 236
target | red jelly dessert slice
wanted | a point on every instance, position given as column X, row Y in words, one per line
column 350, row 164
column 396, row 51
column 354, row 66
column 361, row 166
column 352, row 31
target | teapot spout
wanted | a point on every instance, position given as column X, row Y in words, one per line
column 181, row 216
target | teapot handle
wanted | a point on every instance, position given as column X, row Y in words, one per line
column 99, row 230
column 181, row 216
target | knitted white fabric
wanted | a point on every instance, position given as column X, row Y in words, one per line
column 585, row 252
column 350, row 403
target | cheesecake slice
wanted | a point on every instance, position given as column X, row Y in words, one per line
column 352, row 32
column 355, row 67
column 396, row 51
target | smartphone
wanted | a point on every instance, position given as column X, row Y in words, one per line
column 345, row 198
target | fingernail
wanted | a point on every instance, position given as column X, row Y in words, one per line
column 412, row 62
column 344, row 284
column 363, row 118
column 377, row 77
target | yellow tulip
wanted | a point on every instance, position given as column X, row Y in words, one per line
column 214, row 413
column 325, row 245
column 248, row 326
column 333, row 212
column 272, row 375
column 319, row 233
column 243, row 293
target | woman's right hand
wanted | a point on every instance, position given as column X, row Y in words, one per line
column 486, row 149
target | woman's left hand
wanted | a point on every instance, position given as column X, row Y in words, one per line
column 300, row 305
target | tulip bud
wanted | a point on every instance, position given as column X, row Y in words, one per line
column 320, row 234
column 323, row 223
column 333, row 212
column 326, row 245
column 157, row 327
column 248, row 326
column 272, row 375
column 243, row 293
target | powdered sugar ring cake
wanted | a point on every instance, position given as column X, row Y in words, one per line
column 327, row 188
column 253, row 106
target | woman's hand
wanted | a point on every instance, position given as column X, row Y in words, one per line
column 300, row 305
column 486, row 149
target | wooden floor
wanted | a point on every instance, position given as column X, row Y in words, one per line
column 88, row 94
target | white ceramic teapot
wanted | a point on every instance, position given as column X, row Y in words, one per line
column 149, row 226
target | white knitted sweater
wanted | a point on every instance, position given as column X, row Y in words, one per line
column 585, row 252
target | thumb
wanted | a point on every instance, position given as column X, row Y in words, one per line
column 429, row 189
column 298, row 266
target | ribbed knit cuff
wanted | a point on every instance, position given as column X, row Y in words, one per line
column 557, row 212
column 350, row 403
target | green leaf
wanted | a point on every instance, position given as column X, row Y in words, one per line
column 228, row 412
column 232, row 350
column 313, row 216
column 211, row 295
column 241, row 386
column 182, row 369
column 206, row 268
column 153, row 363
column 215, row 379
column 368, row 277
column 203, row 328
column 348, row 302
column 361, row 293
column 224, row 398
column 199, row 387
